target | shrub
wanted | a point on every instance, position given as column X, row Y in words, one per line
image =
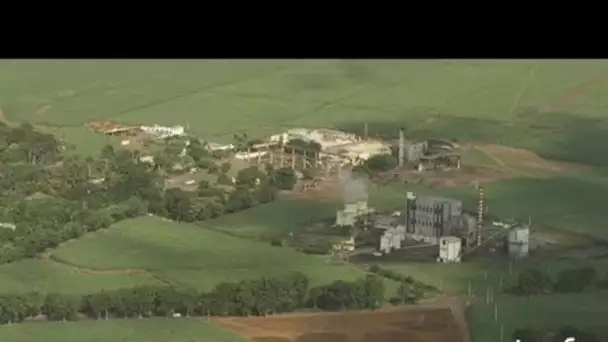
column 225, row 167
column 223, row 179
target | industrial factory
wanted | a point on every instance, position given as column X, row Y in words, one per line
column 439, row 223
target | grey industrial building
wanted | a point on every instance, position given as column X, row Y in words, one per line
column 428, row 218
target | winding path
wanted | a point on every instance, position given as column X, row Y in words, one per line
column 47, row 257
column 503, row 165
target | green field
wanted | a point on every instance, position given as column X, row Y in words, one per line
column 466, row 99
column 276, row 219
column 35, row 275
column 585, row 310
column 131, row 330
column 192, row 256
column 544, row 106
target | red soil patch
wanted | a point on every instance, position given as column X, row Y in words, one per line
column 396, row 325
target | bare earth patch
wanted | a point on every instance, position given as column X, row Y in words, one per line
column 525, row 162
column 2, row 116
column 412, row 324
column 43, row 109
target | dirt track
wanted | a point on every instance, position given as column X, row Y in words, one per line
column 524, row 162
column 441, row 321
column 47, row 257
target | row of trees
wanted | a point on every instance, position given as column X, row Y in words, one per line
column 536, row 282
column 410, row 291
column 559, row 335
column 259, row 297
column 53, row 197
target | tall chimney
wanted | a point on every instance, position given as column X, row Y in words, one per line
column 480, row 211
column 401, row 146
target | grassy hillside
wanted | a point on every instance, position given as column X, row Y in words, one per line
column 147, row 330
column 36, row 275
column 193, row 256
column 555, row 107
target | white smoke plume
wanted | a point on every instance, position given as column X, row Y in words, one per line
column 354, row 187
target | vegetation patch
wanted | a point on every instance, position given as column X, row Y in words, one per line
column 132, row 330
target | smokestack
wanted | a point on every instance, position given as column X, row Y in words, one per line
column 480, row 214
column 401, row 146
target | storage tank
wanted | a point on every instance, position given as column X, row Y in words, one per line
column 519, row 242
column 449, row 249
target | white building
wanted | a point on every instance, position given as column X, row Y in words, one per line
column 251, row 155
column 162, row 132
column 390, row 240
column 449, row 249
column 8, row 225
column 519, row 242
column 147, row 159
column 211, row 146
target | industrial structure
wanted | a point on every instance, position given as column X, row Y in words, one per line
column 352, row 213
column 429, row 218
column 450, row 250
column 163, row 132
column 431, row 154
column 518, row 242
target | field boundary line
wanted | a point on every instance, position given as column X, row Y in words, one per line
column 531, row 74
column 502, row 164
column 565, row 98
column 48, row 257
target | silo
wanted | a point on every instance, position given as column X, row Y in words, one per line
column 410, row 213
column 519, row 242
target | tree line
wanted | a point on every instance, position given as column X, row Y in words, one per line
column 556, row 335
column 256, row 297
column 410, row 290
column 536, row 282
column 51, row 196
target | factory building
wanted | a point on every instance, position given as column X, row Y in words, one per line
column 415, row 151
column 428, row 218
column 163, row 132
column 391, row 239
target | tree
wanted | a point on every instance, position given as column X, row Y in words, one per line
column 575, row 280
column 225, row 167
column 381, row 163
column 373, row 289
column 250, row 176
column 59, row 307
column 301, row 146
column 179, row 205
column 108, row 152
column 223, row 179
column 533, row 282
column 238, row 200
column 241, row 141
column 196, row 150
column 284, row 178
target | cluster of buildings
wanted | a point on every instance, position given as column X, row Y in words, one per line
column 435, row 221
column 163, row 132
column 338, row 146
